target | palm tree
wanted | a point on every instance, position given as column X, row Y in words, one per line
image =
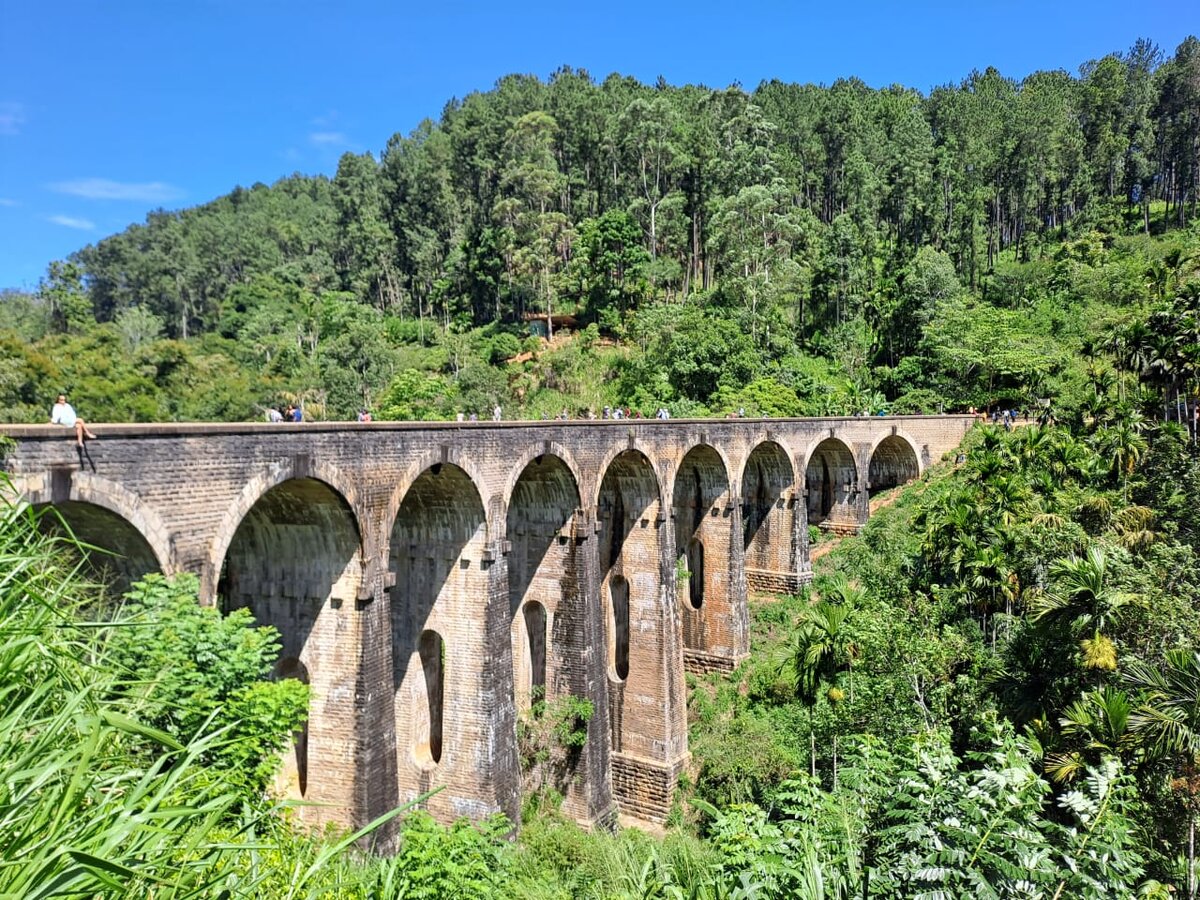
column 1169, row 718
column 989, row 574
column 1083, row 598
column 1122, row 442
column 1068, row 457
column 1100, row 720
column 821, row 651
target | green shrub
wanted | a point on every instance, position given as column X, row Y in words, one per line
column 187, row 668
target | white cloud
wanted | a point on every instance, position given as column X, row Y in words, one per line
column 72, row 222
column 12, row 117
column 328, row 138
column 106, row 189
column 6, row 201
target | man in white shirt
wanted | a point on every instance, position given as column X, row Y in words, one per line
column 64, row 414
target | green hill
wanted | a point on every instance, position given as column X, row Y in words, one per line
column 791, row 249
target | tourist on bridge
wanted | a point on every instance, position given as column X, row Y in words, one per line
column 64, row 414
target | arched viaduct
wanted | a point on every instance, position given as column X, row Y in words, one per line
column 430, row 580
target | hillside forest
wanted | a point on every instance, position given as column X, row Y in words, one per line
column 794, row 249
column 993, row 691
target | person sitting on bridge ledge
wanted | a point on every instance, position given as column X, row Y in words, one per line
column 64, row 414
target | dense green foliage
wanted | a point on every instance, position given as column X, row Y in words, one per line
column 1018, row 624
column 788, row 249
column 194, row 669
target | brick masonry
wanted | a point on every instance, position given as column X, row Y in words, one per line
column 430, row 579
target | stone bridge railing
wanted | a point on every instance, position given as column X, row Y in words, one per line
column 430, row 581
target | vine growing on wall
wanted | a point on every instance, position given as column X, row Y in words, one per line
column 550, row 739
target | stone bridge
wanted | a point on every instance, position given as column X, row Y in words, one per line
column 431, row 580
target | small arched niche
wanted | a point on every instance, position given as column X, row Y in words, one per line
column 694, row 556
column 427, row 736
column 292, row 778
column 618, row 628
column 531, row 686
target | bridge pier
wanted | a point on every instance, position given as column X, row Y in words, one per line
column 645, row 649
column 295, row 562
column 556, row 626
column 709, row 575
column 774, row 523
column 451, row 656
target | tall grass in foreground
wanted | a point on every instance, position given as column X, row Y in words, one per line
column 80, row 813
column 94, row 803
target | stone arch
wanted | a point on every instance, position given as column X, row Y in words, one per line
column 295, row 561
column 429, row 463
column 537, row 452
column 714, row 456
column 110, row 517
column 831, row 482
column 439, row 559
column 702, row 511
column 115, row 553
column 629, row 510
column 769, row 515
column 616, row 452
column 894, row 461
column 544, row 569
column 277, row 473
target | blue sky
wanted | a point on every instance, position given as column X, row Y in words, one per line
column 112, row 108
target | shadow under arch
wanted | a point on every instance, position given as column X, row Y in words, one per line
column 115, row 553
column 439, row 642
column 894, row 461
column 278, row 472
column 831, row 479
column 701, row 511
column 295, row 561
column 768, row 524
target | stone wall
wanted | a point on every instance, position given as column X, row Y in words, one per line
column 430, row 580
